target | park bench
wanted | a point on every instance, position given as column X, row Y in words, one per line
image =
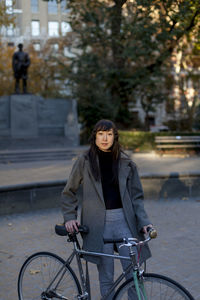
column 177, row 142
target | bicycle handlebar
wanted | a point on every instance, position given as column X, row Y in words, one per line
column 152, row 234
column 61, row 230
column 113, row 241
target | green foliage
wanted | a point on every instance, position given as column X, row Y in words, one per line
column 124, row 49
column 124, row 52
column 139, row 141
column 5, row 19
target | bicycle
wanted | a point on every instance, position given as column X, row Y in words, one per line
column 52, row 277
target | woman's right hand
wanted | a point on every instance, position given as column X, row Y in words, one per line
column 72, row 225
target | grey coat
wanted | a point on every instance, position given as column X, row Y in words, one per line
column 93, row 206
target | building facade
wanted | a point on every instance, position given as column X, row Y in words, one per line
column 36, row 21
column 39, row 21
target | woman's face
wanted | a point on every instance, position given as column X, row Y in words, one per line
column 104, row 139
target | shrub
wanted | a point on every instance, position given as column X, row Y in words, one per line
column 144, row 141
column 137, row 140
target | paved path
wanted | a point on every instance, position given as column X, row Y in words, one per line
column 19, row 173
column 175, row 251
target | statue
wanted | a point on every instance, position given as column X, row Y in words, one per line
column 20, row 64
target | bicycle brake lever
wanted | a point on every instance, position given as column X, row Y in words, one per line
column 126, row 245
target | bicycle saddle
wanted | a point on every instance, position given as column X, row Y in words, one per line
column 61, row 230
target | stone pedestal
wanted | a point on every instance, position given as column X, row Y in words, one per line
column 71, row 125
column 4, row 115
column 23, row 112
column 24, row 116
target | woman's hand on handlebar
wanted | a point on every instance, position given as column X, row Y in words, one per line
column 145, row 228
column 72, row 226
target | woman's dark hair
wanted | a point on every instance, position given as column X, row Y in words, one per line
column 104, row 125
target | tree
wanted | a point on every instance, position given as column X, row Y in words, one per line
column 6, row 19
column 186, row 82
column 6, row 78
column 6, row 74
column 44, row 74
column 124, row 50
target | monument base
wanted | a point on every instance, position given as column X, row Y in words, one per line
column 23, row 110
column 26, row 116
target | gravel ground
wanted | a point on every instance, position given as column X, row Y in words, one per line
column 175, row 253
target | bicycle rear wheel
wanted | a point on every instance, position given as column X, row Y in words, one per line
column 157, row 287
column 45, row 276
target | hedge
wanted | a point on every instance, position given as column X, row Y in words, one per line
column 143, row 140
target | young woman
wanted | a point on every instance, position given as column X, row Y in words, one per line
column 112, row 201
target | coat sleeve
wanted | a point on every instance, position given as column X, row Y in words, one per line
column 137, row 197
column 69, row 201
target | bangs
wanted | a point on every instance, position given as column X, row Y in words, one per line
column 104, row 125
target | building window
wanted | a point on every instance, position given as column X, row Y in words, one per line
column 9, row 6
column 63, row 6
column 150, row 120
column 65, row 27
column 53, row 28
column 7, row 30
column 52, row 7
column 11, row 44
column 55, row 48
column 68, row 53
column 10, row 30
column 34, row 6
column 36, row 46
column 35, row 28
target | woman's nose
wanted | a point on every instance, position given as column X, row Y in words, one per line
column 105, row 137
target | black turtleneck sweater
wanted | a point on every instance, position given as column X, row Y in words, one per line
column 110, row 187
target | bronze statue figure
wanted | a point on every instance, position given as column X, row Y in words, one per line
column 20, row 64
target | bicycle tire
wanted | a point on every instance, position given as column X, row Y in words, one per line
column 157, row 287
column 37, row 273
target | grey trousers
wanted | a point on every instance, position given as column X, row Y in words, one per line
column 115, row 227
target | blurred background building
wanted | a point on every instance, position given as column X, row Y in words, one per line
column 35, row 22
column 43, row 27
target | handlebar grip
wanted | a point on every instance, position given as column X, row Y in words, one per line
column 152, row 232
column 61, row 230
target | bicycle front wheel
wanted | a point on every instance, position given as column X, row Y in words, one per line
column 156, row 287
column 45, row 276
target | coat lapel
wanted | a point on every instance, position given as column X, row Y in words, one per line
column 124, row 170
column 97, row 184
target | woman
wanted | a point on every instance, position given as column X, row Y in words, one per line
column 112, row 202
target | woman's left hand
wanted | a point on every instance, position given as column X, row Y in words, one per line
column 144, row 229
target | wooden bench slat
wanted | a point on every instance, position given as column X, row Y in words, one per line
column 177, row 141
column 177, row 146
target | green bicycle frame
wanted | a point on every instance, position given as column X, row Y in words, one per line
column 139, row 286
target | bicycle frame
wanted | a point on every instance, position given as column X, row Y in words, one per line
column 62, row 282
column 139, row 285
column 85, row 286
column 78, row 253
